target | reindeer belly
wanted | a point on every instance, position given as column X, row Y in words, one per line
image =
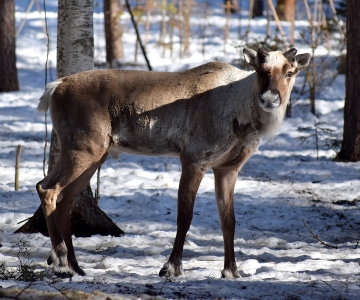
column 146, row 134
column 144, row 146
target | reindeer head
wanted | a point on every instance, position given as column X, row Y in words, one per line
column 276, row 74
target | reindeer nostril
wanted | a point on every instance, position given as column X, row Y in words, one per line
column 276, row 99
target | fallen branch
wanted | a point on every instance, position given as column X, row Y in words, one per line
column 257, row 228
column 316, row 237
column 328, row 285
column 167, row 279
column 36, row 214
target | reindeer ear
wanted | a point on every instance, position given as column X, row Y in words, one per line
column 301, row 61
column 250, row 57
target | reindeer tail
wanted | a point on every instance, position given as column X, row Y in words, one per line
column 45, row 99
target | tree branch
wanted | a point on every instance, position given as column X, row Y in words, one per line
column 138, row 35
column 316, row 237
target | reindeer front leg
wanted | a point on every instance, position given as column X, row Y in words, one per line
column 191, row 177
column 225, row 180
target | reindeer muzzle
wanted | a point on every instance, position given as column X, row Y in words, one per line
column 269, row 101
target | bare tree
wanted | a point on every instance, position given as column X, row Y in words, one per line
column 113, row 31
column 75, row 53
column 187, row 27
column 8, row 72
column 149, row 6
column 286, row 9
column 350, row 150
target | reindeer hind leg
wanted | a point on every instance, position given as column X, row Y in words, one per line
column 64, row 207
column 68, row 177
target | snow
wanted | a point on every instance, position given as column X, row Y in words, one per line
column 281, row 189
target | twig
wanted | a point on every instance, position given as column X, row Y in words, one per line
column 316, row 237
column 138, row 35
column 257, row 228
column 333, row 10
column 357, row 244
column 46, row 73
column 277, row 21
column 328, row 285
column 167, row 278
column 32, row 217
column 24, row 19
column 344, row 283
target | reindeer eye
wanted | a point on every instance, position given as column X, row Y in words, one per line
column 289, row 74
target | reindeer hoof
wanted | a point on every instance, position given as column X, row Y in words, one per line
column 229, row 273
column 78, row 270
column 52, row 259
column 66, row 272
column 169, row 270
column 63, row 272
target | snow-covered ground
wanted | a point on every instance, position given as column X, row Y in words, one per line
column 281, row 188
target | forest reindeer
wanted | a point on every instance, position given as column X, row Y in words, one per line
column 212, row 116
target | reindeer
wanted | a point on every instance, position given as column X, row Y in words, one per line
column 212, row 116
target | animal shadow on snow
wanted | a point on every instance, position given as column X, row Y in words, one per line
column 260, row 225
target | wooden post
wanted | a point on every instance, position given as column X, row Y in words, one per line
column 97, row 191
column 17, row 167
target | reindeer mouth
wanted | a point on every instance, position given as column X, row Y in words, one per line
column 269, row 101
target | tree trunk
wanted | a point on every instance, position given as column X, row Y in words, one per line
column 75, row 40
column 75, row 52
column 350, row 150
column 86, row 219
column 113, row 31
column 231, row 6
column 258, row 8
column 8, row 72
column 286, row 9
